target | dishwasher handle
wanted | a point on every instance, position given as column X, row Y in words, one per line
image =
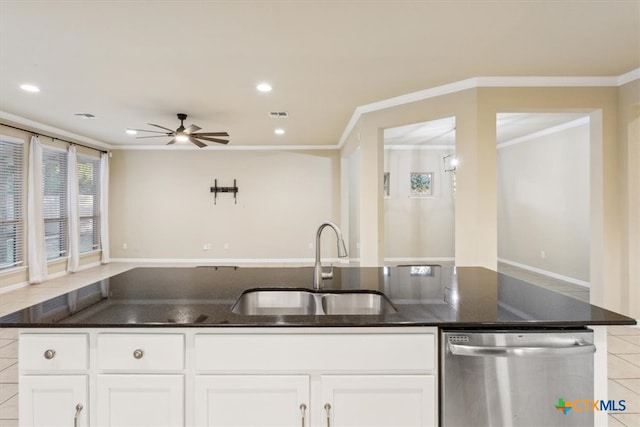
column 578, row 348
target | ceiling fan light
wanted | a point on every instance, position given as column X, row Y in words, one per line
column 182, row 138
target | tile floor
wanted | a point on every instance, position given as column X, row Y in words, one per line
column 623, row 342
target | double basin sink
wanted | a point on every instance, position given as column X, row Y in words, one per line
column 294, row 301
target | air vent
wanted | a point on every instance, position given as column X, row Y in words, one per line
column 456, row 339
column 278, row 114
column 85, row 115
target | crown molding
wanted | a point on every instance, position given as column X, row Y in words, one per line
column 175, row 147
column 478, row 82
column 41, row 127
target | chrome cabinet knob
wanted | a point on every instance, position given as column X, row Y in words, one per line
column 49, row 354
column 137, row 354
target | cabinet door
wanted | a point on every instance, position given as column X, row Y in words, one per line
column 252, row 400
column 378, row 400
column 140, row 400
column 53, row 400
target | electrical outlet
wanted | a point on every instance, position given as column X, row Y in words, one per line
column 310, row 245
column 226, row 246
column 543, row 255
column 206, row 246
column 125, row 246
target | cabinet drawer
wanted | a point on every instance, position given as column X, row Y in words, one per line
column 330, row 352
column 140, row 352
column 53, row 352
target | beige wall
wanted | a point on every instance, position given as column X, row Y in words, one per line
column 418, row 227
column 543, row 203
column 161, row 206
column 629, row 174
column 476, row 197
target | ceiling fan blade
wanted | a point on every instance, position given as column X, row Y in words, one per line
column 206, row 138
column 145, row 130
column 154, row 136
column 198, row 143
column 161, row 127
column 191, row 129
column 210, row 134
column 171, row 142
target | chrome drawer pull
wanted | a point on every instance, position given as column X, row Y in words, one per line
column 79, row 408
column 137, row 354
column 327, row 408
column 49, row 354
column 303, row 410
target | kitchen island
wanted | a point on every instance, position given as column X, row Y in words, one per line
column 161, row 346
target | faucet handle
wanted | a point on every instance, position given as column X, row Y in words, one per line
column 329, row 274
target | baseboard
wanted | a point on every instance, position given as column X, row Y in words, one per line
column 423, row 260
column 301, row 261
column 546, row 273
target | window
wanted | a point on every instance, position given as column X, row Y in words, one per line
column 89, row 199
column 11, row 218
column 54, row 203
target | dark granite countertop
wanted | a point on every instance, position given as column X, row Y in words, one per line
column 470, row 297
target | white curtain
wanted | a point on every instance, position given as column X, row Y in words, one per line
column 73, row 252
column 36, row 250
column 104, row 207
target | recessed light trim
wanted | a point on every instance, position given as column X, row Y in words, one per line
column 264, row 87
column 279, row 131
column 132, row 132
column 29, row 88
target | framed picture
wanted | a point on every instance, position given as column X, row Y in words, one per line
column 385, row 184
column 421, row 184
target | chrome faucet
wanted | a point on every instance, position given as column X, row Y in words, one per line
column 318, row 274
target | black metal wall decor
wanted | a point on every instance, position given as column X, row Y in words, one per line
column 215, row 190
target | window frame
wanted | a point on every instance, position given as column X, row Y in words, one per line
column 18, row 206
column 95, row 217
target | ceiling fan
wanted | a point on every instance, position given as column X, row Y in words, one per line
column 189, row 134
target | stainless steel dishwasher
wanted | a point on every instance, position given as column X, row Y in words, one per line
column 516, row 378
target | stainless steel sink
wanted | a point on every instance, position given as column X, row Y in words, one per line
column 356, row 303
column 282, row 301
column 267, row 302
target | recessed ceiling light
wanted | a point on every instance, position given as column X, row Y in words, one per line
column 30, row 88
column 84, row 115
column 279, row 131
column 131, row 132
column 264, row 87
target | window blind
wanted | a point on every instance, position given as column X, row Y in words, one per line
column 11, row 203
column 89, row 199
column 54, row 203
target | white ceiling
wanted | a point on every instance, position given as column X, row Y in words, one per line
column 133, row 63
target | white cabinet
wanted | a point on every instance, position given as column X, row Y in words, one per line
column 140, row 400
column 251, row 400
column 53, row 400
column 374, row 377
column 378, row 400
column 53, row 384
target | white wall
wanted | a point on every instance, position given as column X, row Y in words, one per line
column 161, row 206
column 418, row 227
column 544, row 203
